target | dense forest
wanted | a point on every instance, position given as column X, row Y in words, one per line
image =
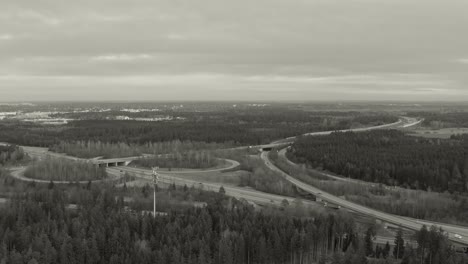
column 37, row 227
column 10, row 154
column 92, row 149
column 389, row 157
column 231, row 127
column 64, row 170
column 101, row 232
column 190, row 159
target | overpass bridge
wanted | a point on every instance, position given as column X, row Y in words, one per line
column 116, row 162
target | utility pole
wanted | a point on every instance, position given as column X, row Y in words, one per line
column 155, row 183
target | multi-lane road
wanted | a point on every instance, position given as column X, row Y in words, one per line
column 405, row 222
column 408, row 223
column 403, row 122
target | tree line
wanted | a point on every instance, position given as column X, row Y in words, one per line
column 91, row 149
column 54, row 169
column 38, row 228
column 389, row 157
column 443, row 120
column 230, row 127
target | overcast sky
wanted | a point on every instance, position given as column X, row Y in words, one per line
column 233, row 50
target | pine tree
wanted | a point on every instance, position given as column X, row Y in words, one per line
column 51, row 185
column 221, row 190
column 370, row 233
column 225, row 251
column 378, row 251
column 422, row 237
column 386, row 250
column 399, row 248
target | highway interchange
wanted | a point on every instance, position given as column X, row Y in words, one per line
column 254, row 196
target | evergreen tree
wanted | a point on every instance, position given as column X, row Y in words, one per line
column 221, row 190
column 370, row 233
column 399, row 248
column 386, row 250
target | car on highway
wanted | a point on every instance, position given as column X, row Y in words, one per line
column 458, row 236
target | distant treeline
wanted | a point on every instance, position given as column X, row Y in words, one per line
column 389, row 157
column 231, row 127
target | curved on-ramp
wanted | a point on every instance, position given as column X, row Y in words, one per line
column 18, row 173
column 231, row 165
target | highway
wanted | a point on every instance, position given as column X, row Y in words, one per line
column 399, row 124
column 412, row 122
column 409, row 223
column 237, row 192
column 389, row 218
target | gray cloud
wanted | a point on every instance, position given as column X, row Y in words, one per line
column 218, row 49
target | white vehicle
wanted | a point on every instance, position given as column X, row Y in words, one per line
column 458, row 236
